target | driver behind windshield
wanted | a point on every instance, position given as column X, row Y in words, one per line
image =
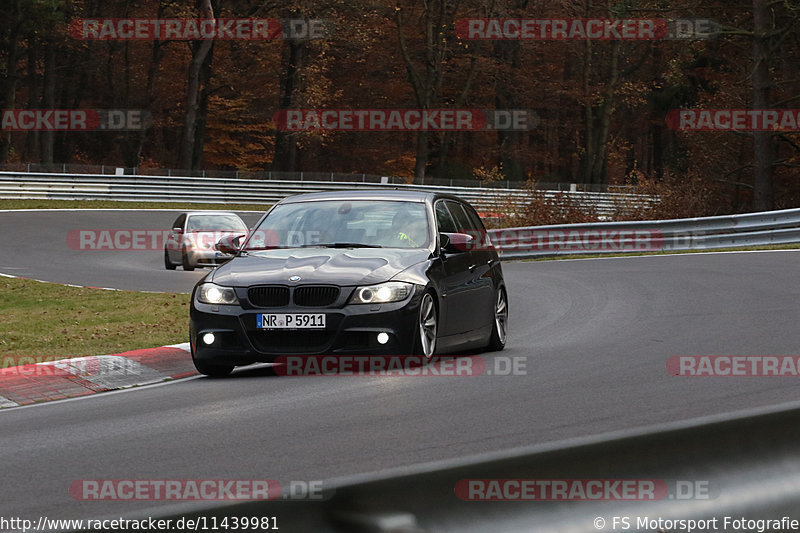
column 408, row 231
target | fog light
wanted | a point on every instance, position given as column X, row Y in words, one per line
column 209, row 338
column 383, row 338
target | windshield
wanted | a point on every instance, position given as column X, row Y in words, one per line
column 343, row 223
column 215, row 223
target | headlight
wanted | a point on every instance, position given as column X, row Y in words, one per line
column 393, row 291
column 208, row 293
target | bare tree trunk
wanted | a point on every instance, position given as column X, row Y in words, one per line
column 202, row 116
column 565, row 144
column 763, row 195
column 588, row 145
column 200, row 50
column 598, row 118
column 446, row 137
column 133, row 146
column 31, row 150
column 600, row 158
column 421, row 160
column 427, row 85
column 506, row 93
column 506, row 97
column 48, row 137
column 9, row 95
column 292, row 62
column 657, row 124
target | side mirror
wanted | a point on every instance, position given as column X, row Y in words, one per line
column 455, row 243
column 229, row 244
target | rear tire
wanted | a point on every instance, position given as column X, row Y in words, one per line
column 497, row 341
column 169, row 265
column 185, row 262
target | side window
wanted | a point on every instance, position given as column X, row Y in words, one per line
column 179, row 221
column 444, row 221
column 474, row 218
column 463, row 222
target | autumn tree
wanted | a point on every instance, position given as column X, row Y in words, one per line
column 199, row 73
column 425, row 67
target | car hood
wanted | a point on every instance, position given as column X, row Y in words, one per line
column 351, row 266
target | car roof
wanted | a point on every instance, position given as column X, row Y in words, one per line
column 402, row 195
column 193, row 213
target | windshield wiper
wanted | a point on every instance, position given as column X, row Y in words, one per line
column 341, row 245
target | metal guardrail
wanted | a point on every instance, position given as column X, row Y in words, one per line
column 747, row 464
column 197, row 189
column 750, row 229
column 72, row 168
column 753, row 229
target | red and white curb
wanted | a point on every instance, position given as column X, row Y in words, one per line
column 81, row 376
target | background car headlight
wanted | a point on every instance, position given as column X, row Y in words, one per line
column 209, row 293
column 393, row 291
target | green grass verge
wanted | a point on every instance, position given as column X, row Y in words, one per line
column 113, row 204
column 669, row 252
column 49, row 321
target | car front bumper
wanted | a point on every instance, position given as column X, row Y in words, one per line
column 208, row 257
column 351, row 329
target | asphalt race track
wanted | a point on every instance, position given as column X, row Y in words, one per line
column 36, row 246
column 595, row 336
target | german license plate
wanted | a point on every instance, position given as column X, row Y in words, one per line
column 290, row 321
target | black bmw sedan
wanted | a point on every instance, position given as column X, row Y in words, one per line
column 352, row 272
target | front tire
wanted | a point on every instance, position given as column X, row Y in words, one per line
column 212, row 370
column 168, row 264
column 497, row 341
column 185, row 261
column 427, row 327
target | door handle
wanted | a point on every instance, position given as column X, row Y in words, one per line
column 472, row 268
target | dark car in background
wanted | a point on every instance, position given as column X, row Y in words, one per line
column 355, row 272
column 191, row 241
